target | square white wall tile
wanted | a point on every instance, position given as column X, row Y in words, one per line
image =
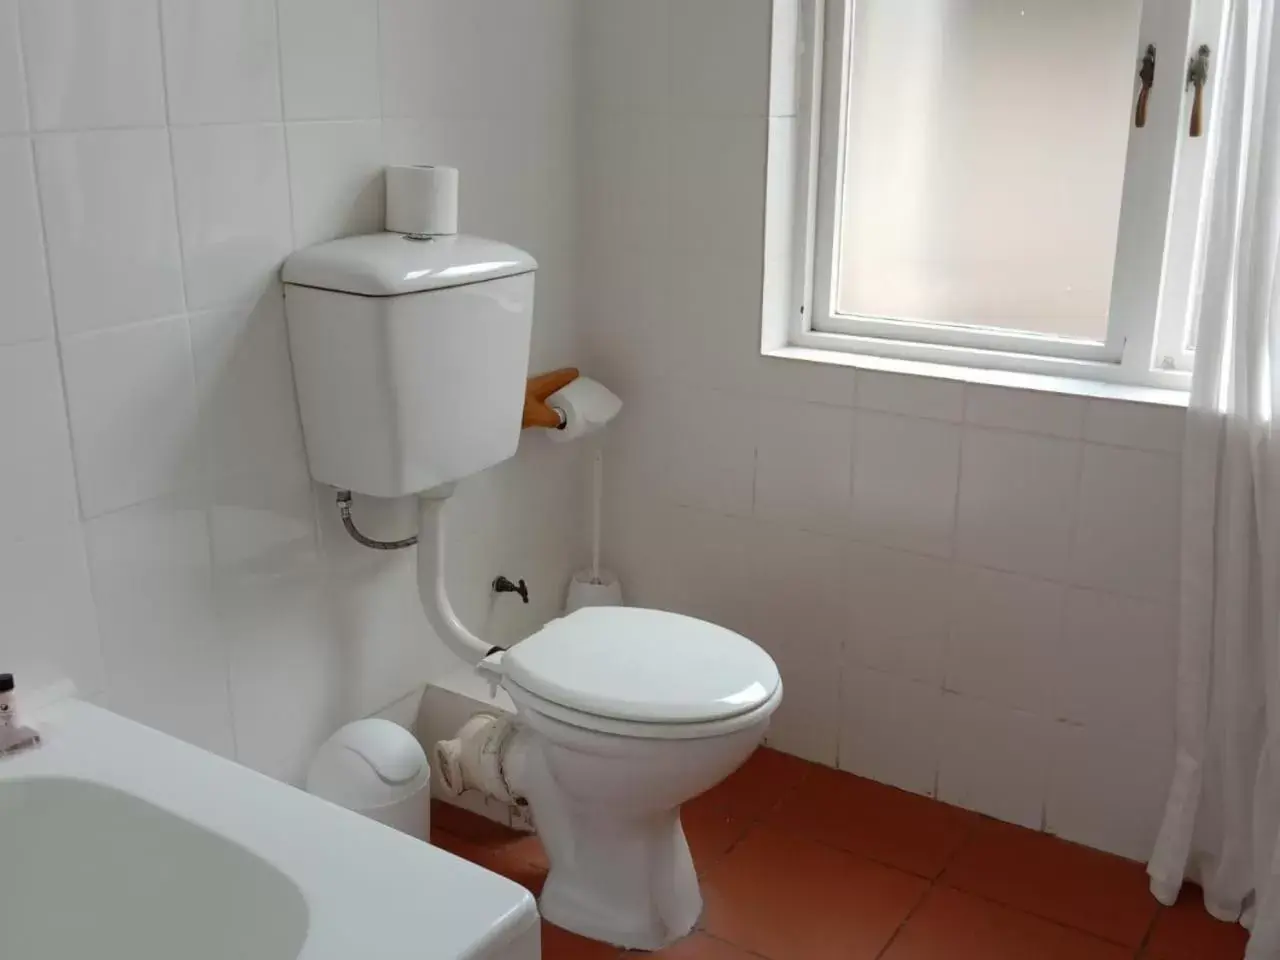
column 626, row 185
column 166, row 661
column 635, row 445
column 92, row 64
column 1003, row 632
column 797, row 612
column 1128, row 521
column 627, row 53
column 221, row 61
column 281, row 638
column 1116, row 664
column 1108, row 791
column 803, row 463
column 904, row 482
column 329, row 59
column 47, row 628
column 244, row 381
column 112, row 228
column 900, row 612
column 13, row 86
column 233, row 206
column 720, row 56
column 1140, row 425
column 406, row 64
column 388, row 648
column 626, row 315
column 703, row 566
column 993, row 760
column 911, row 396
column 710, row 449
column 24, row 276
column 718, row 168
column 404, row 712
column 37, row 480
column 336, row 174
column 131, row 394
column 263, row 523
column 890, row 729
column 1029, row 411
column 1017, row 498
column 714, row 318
column 800, row 380
column 496, row 57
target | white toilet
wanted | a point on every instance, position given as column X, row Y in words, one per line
column 410, row 361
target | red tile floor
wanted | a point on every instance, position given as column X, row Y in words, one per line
column 799, row 862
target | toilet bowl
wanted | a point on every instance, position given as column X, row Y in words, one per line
column 622, row 716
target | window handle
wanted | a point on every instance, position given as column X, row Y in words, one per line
column 1198, row 76
column 1147, row 74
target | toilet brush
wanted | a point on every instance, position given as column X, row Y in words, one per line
column 594, row 587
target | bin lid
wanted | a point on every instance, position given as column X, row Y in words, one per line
column 392, row 264
column 369, row 764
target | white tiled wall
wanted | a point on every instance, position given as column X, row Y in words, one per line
column 969, row 589
column 162, row 542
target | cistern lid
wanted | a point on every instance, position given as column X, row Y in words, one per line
column 391, row 264
column 630, row 664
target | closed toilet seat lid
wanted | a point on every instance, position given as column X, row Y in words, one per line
column 626, row 663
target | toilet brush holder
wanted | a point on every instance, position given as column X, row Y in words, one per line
column 586, row 589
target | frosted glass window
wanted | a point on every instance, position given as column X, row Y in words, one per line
column 984, row 159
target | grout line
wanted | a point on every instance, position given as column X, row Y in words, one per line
column 924, row 896
column 1151, row 931
column 737, row 946
column 79, row 519
column 219, row 620
column 1043, row 917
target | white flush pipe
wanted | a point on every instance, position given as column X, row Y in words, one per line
column 435, row 597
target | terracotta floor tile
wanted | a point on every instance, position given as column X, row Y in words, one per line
column 906, row 831
column 710, row 834
column 1186, row 931
column 788, row 898
column 700, row 947
column 467, row 825
column 560, row 944
column 519, row 858
column 756, row 787
column 951, row 925
column 1082, row 888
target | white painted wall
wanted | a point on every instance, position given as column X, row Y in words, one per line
column 163, row 544
column 969, row 590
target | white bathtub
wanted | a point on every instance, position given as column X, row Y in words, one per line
column 120, row 843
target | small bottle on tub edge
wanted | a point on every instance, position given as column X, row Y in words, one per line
column 13, row 735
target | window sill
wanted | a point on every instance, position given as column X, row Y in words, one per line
column 1041, row 383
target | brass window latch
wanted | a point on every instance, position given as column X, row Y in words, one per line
column 1147, row 75
column 1197, row 77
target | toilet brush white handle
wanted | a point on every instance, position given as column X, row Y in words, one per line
column 597, row 494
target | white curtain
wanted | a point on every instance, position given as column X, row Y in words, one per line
column 1222, row 821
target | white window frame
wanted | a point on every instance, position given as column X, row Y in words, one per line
column 1157, row 248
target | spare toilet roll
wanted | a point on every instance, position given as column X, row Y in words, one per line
column 422, row 200
column 586, row 406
